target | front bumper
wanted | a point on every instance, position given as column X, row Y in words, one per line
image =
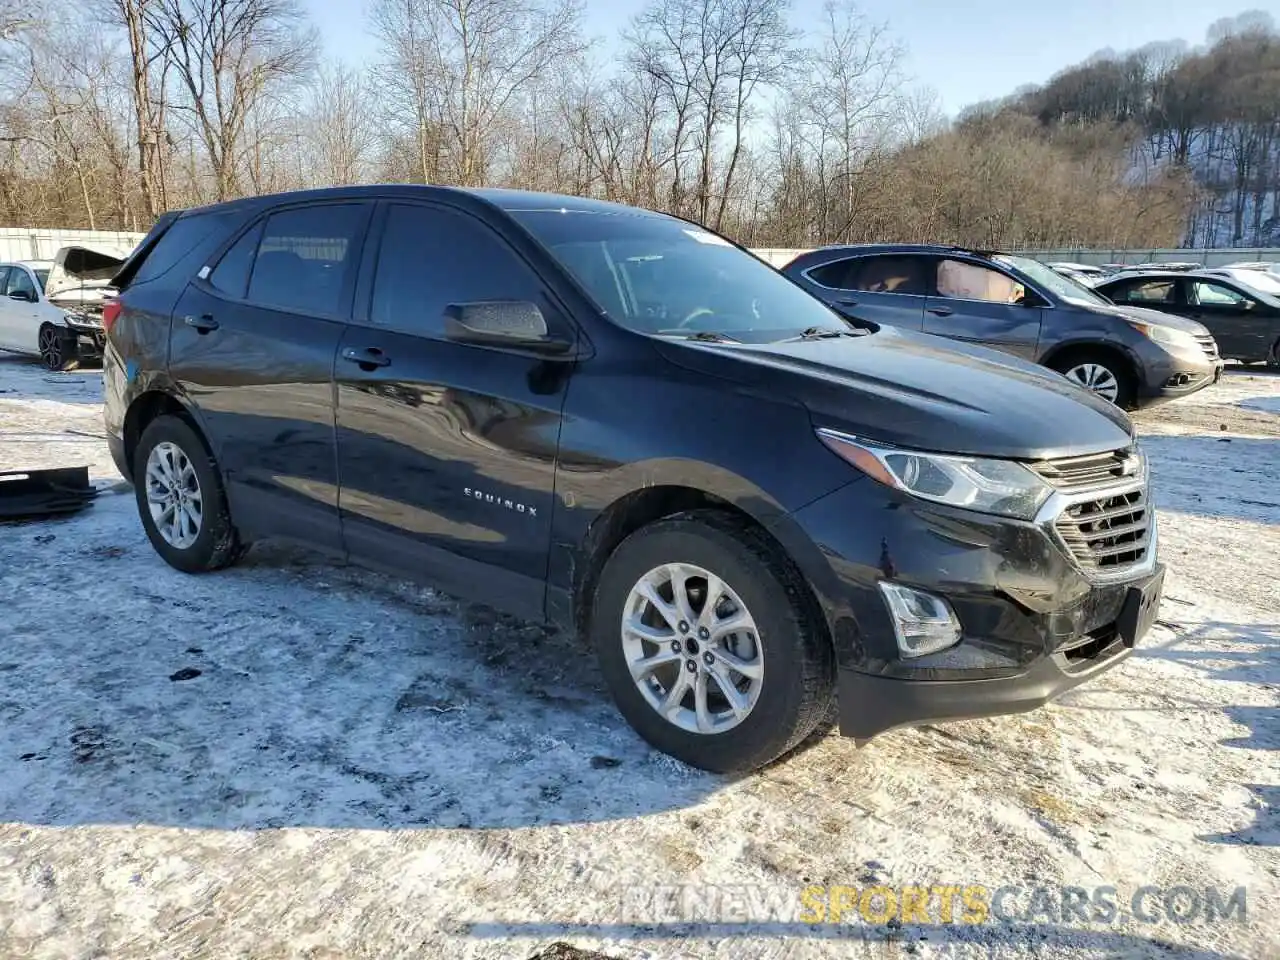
column 90, row 340
column 1174, row 376
column 1034, row 623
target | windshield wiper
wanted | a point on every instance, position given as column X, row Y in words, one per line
column 821, row 333
column 703, row 336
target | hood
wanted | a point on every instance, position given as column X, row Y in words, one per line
column 82, row 273
column 1155, row 318
column 920, row 391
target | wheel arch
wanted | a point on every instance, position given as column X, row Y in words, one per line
column 156, row 401
column 650, row 504
column 1126, row 357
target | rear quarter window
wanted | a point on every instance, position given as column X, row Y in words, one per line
column 185, row 244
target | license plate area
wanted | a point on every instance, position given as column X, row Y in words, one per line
column 1140, row 609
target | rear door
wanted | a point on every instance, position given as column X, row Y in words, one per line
column 979, row 303
column 253, row 346
column 447, row 452
column 882, row 288
column 1242, row 324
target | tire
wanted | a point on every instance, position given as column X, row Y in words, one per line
column 1101, row 372
column 1273, row 358
column 214, row 543
column 788, row 647
column 59, row 349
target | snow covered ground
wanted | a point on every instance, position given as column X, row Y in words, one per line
column 296, row 758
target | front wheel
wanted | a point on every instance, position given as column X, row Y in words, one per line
column 181, row 500
column 58, row 348
column 1099, row 373
column 709, row 645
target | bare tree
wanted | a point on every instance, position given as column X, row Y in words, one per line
column 465, row 65
column 228, row 57
column 340, row 125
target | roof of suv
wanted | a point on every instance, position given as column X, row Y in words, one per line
column 509, row 200
column 870, row 248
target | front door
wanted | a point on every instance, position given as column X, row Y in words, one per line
column 980, row 304
column 447, row 452
column 253, row 345
column 8, row 314
column 1241, row 324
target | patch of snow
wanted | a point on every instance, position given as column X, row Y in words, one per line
column 301, row 758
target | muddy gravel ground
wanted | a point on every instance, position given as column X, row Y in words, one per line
column 297, row 758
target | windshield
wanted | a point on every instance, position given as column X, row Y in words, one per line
column 656, row 275
column 1048, row 278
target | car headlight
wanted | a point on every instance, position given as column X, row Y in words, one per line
column 1167, row 335
column 975, row 483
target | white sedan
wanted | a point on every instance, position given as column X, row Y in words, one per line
column 52, row 309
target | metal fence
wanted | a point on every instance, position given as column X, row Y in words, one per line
column 32, row 243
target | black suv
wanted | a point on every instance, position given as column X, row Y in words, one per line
column 1244, row 321
column 1130, row 356
column 625, row 424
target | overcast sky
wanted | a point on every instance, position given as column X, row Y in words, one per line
column 967, row 51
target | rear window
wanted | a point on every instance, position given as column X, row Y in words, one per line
column 189, row 240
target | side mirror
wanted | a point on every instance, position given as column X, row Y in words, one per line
column 24, row 295
column 502, row 323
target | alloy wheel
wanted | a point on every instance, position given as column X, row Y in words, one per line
column 1096, row 378
column 51, row 348
column 693, row 648
column 173, row 495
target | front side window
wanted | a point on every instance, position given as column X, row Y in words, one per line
column 20, row 282
column 304, row 256
column 960, row 280
column 660, row 276
column 1216, row 295
column 431, row 257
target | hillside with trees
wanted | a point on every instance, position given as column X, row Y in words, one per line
column 731, row 112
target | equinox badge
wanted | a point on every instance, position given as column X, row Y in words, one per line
column 500, row 502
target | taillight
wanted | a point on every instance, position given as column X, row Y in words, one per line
column 110, row 311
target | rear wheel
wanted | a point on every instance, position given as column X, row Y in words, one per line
column 181, row 499
column 1101, row 373
column 709, row 644
column 58, row 348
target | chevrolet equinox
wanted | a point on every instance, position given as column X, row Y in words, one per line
column 625, row 424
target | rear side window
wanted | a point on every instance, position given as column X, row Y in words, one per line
column 891, row 275
column 430, row 258
column 190, row 239
column 1149, row 291
column 304, row 257
column 231, row 275
column 835, row 274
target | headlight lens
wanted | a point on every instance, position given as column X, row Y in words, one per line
column 990, row 486
column 1167, row 335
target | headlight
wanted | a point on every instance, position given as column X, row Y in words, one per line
column 1167, row 335
column 991, row 486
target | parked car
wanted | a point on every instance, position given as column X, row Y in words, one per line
column 52, row 309
column 1244, row 320
column 1084, row 273
column 1261, row 280
column 1266, row 266
column 1129, row 357
column 623, row 423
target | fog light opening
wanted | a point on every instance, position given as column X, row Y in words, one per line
column 922, row 622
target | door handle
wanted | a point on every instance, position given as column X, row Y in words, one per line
column 847, row 302
column 941, row 311
column 201, row 325
column 368, row 359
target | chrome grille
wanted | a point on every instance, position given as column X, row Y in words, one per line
column 1093, row 470
column 1208, row 345
column 1109, row 534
